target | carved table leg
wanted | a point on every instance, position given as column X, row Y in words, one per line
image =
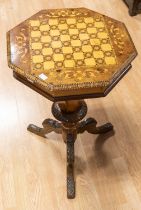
column 70, row 165
column 49, row 125
column 70, row 114
column 89, row 125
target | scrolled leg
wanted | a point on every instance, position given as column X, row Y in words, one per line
column 70, row 166
column 49, row 125
column 89, row 125
column 70, row 114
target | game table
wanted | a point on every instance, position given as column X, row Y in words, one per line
column 68, row 55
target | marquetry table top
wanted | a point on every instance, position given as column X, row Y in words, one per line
column 70, row 52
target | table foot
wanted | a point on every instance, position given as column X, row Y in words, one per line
column 89, row 125
column 36, row 130
column 70, row 182
column 104, row 128
column 49, row 125
column 70, row 140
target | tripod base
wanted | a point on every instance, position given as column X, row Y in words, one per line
column 69, row 115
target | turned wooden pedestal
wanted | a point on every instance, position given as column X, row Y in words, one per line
column 69, row 114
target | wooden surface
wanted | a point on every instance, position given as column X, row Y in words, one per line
column 32, row 170
column 67, row 52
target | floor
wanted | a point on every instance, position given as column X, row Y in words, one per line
column 32, row 169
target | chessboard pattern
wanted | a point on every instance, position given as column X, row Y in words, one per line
column 77, row 44
column 67, row 52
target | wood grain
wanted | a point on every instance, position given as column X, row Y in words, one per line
column 32, row 170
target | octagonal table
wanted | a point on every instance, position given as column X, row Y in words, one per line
column 68, row 55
